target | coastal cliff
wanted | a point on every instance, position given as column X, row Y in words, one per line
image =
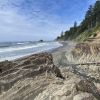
column 48, row 76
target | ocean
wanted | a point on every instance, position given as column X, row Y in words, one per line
column 14, row 50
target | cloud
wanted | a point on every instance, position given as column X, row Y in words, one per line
column 17, row 26
column 37, row 19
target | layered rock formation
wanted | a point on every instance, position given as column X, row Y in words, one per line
column 38, row 77
column 78, row 65
column 70, row 90
column 25, row 78
column 85, row 52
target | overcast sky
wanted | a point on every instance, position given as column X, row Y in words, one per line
column 23, row 20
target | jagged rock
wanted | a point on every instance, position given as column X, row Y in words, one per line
column 37, row 67
column 88, row 86
column 5, row 65
column 84, row 96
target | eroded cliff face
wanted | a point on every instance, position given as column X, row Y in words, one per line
column 83, row 62
column 85, row 52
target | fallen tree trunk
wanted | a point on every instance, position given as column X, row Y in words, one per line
column 88, row 63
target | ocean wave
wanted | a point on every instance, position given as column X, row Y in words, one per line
column 20, row 43
column 12, row 54
column 10, row 49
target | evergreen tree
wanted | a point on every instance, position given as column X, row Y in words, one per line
column 88, row 17
column 97, row 12
column 92, row 19
column 75, row 24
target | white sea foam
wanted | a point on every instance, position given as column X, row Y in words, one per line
column 10, row 49
column 46, row 47
column 20, row 43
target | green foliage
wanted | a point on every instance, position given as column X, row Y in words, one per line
column 84, row 30
column 84, row 36
column 88, row 33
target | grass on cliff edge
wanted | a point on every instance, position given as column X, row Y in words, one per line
column 88, row 33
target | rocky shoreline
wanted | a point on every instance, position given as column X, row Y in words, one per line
column 58, row 75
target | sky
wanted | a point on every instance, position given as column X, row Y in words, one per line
column 32, row 20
